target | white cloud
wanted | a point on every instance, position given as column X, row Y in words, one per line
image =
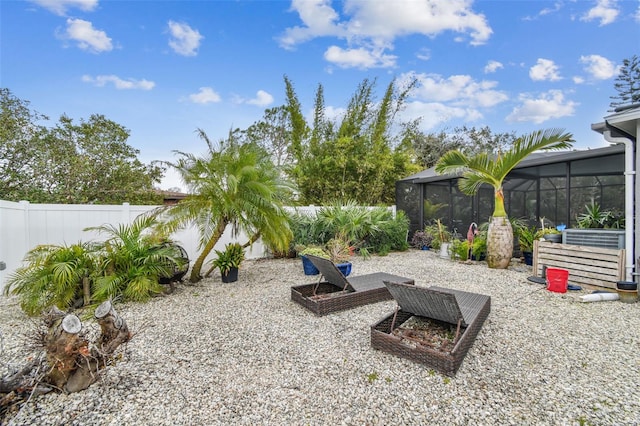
column 205, row 95
column 262, row 99
column 359, row 58
column 390, row 19
column 87, row 37
column 557, row 6
column 549, row 10
column 605, row 10
column 599, row 67
column 60, row 7
column 118, row 83
column 545, row 69
column 547, row 106
column 460, row 90
column 435, row 114
column 578, row 79
column 370, row 27
column 184, row 39
column 319, row 19
column 424, row 54
column 492, row 66
column 637, row 14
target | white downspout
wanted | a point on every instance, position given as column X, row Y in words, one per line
column 629, row 173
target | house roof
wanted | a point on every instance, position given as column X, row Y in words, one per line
column 535, row 159
column 625, row 119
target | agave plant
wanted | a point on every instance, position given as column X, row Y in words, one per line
column 54, row 275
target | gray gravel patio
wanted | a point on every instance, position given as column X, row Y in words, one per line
column 243, row 353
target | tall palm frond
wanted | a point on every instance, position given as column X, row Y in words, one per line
column 485, row 169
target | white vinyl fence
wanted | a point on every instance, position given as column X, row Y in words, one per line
column 23, row 226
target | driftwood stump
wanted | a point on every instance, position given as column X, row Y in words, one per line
column 69, row 362
column 114, row 332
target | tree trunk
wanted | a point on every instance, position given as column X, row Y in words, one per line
column 86, row 291
column 63, row 344
column 197, row 266
column 499, row 243
column 69, row 363
column 114, row 332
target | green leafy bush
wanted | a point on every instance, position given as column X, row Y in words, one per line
column 595, row 217
column 128, row 265
column 369, row 230
column 54, row 276
column 133, row 259
column 459, row 249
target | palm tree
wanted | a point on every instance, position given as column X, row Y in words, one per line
column 134, row 258
column 236, row 184
column 484, row 168
column 54, row 275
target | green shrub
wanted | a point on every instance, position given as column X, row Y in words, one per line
column 460, row 249
column 127, row 265
column 368, row 230
column 133, row 259
column 54, row 276
column 391, row 234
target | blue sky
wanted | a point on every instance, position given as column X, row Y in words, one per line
column 163, row 69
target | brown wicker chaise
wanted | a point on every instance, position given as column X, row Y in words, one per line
column 461, row 311
column 334, row 292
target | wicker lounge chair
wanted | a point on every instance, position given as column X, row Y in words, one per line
column 458, row 310
column 334, row 292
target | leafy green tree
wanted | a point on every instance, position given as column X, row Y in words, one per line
column 354, row 158
column 89, row 162
column 429, row 147
column 485, row 169
column 273, row 133
column 627, row 84
column 233, row 184
column 21, row 148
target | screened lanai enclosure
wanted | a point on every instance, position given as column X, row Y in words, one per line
column 554, row 185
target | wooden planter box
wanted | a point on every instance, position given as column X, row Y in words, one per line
column 442, row 305
column 591, row 266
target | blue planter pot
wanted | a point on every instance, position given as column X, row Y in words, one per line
column 345, row 268
column 309, row 268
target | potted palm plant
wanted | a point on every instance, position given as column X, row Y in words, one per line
column 228, row 262
column 526, row 236
column 340, row 252
column 483, row 168
column 479, row 246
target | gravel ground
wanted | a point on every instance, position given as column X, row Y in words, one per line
column 244, row 354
